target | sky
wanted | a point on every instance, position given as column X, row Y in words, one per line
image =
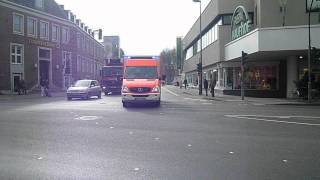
column 145, row 27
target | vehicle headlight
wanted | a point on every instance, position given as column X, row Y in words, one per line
column 156, row 89
column 125, row 89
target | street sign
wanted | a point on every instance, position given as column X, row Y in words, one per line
column 315, row 5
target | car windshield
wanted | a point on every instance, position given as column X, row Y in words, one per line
column 141, row 72
column 112, row 71
column 82, row 83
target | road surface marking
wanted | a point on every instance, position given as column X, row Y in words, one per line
column 231, row 152
column 170, row 91
column 206, row 103
column 189, row 145
column 87, row 118
column 136, row 169
column 257, row 118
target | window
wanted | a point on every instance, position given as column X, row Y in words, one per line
column 32, row 27
column 189, row 53
column 18, row 24
column 39, row 4
column 65, row 35
column 16, row 54
column 55, row 33
column 78, row 63
column 44, row 30
column 78, row 40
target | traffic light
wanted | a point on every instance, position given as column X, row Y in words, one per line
column 100, row 34
column 199, row 67
column 315, row 54
column 244, row 58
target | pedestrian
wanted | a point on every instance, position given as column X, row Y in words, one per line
column 212, row 86
column 205, row 85
column 46, row 88
column 185, row 83
column 22, row 87
column 42, row 86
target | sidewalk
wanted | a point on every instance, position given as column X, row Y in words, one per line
column 250, row 100
column 33, row 95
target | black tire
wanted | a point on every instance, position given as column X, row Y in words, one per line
column 125, row 104
column 69, row 98
column 87, row 97
column 157, row 104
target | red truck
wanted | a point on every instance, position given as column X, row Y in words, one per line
column 112, row 76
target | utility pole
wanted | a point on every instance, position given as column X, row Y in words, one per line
column 309, row 55
column 244, row 57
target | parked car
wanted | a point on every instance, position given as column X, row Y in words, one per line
column 84, row 89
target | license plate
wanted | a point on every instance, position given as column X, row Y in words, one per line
column 140, row 98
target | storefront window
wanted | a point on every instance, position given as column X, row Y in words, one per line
column 262, row 78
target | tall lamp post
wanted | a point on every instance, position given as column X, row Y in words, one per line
column 200, row 60
column 309, row 55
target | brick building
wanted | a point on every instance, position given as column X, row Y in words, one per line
column 41, row 40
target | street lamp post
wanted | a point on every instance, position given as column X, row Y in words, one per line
column 309, row 55
column 200, row 60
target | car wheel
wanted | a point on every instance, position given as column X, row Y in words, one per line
column 87, row 97
column 125, row 104
column 157, row 104
column 69, row 98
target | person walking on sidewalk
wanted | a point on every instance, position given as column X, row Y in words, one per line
column 212, row 86
column 205, row 84
column 185, row 82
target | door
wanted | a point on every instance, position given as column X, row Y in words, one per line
column 44, row 67
column 16, row 79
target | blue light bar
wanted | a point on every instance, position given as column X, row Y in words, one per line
column 141, row 57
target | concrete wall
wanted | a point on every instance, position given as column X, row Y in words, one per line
column 212, row 12
column 270, row 16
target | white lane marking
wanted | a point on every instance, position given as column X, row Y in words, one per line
column 255, row 117
column 87, row 118
column 170, row 91
column 231, row 152
column 136, row 169
column 206, row 103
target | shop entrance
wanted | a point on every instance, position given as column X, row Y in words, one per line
column 16, row 77
column 45, row 65
column 44, row 70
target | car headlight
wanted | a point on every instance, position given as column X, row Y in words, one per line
column 125, row 89
column 156, row 89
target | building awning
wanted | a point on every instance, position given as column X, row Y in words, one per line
column 273, row 42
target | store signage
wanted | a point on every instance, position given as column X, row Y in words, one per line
column 315, row 5
column 240, row 23
column 44, row 43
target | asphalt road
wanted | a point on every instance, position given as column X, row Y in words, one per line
column 185, row 138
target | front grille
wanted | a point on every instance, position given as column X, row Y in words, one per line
column 140, row 90
column 140, row 96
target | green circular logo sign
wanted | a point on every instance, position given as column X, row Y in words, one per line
column 240, row 23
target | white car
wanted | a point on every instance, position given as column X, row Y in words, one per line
column 84, row 89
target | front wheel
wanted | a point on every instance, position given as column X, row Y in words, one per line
column 157, row 104
column 125, row 104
